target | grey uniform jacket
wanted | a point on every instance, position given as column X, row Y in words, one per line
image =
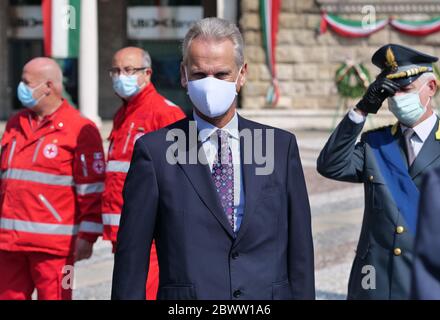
column 384, row 255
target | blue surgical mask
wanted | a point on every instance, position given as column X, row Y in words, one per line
column 26, row 95
column 126, row 86
column 408, row 108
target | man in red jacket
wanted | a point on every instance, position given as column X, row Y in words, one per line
column 144, row 110
column 52, row 178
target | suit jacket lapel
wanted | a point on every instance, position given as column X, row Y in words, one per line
column 251, row 182
column 402, row 147
column 200, row 177
column 427, row 155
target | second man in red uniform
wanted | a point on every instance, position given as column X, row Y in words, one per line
column 144, row 110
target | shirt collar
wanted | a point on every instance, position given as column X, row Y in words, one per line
column 206, row 129
column 57, row 115
column 424, row 128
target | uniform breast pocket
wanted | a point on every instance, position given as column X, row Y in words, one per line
column 7, row 152
column 51, row 155
column 375, row 189
column 135, row 130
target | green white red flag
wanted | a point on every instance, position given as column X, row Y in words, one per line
column 350, row 28
column 358, row 29
column 269, row 15
column 61, row 23
column 416, row 28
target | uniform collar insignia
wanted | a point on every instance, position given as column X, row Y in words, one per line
column 396, row 126
column 437, row 134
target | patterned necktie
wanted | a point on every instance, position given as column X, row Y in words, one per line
column 410, row 154
column 223, row 176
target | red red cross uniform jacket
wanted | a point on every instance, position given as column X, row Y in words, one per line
column 144, row 113
column 52, row 179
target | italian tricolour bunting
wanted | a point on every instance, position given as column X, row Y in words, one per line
column 269, row 14
column 61, row 23
column 416, row 28
column 350, row 28
column 357, row 29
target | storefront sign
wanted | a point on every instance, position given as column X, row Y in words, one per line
column 26, row 22
column 161, row 23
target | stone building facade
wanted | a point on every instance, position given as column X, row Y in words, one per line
column 307, row 61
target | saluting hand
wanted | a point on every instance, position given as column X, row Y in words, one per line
column 376, row 94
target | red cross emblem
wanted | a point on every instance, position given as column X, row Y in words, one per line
column 50, row 151
column 99, row 166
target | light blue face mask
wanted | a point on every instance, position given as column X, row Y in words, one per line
column 26, row 95
column 408, row 108
column 126, row 86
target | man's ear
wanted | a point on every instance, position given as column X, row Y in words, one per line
column 148, row 74
column 433, row 86
column 242, row 77
column 49, row 86
column 183, row 79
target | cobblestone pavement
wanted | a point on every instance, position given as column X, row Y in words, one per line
column 336, row 213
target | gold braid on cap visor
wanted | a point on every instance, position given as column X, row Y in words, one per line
column 409, row 73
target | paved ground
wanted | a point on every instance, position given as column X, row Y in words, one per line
column 336, row 213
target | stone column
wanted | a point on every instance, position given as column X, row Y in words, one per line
column 88, row 61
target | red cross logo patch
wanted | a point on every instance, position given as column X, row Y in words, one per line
column 50, row 151
column 99, row 166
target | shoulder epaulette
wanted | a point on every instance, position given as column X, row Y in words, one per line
column 378, row 129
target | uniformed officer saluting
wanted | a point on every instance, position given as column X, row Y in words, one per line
column 390, row 162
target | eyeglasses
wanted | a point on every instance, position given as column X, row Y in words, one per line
column 129, row 71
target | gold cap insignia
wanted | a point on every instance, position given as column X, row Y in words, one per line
column 391, row 60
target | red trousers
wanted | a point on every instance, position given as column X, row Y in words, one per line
column 22, row 272
column 153, row 275
column 152, row 284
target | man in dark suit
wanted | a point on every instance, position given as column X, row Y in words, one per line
column 426, row 269
column 229, row 223
column 390, row 163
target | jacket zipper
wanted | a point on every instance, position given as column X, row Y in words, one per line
column 50, row 207
column 37, row 149
column 128, row 138
column 11, row 153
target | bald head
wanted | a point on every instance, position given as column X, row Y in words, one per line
column 132, row 61
column 43, row 70
column 136, row 57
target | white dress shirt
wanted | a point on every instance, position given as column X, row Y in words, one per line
column 422, row 130
column 210, row 147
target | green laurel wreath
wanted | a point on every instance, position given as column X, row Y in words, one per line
column 352, row 80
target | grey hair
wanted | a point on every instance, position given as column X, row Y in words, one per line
column 428, row 76
column 215, row 29
column 146, row 59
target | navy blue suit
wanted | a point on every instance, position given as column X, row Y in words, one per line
column 426, row 268
column 271, row 257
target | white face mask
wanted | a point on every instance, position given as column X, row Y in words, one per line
column 211, row 96
column 408, row 108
